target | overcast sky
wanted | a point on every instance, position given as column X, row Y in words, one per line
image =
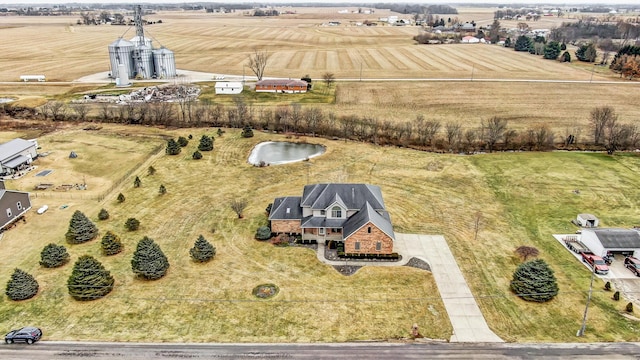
column 507, row 2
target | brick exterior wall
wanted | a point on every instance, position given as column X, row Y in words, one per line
column 368, row 241
column 286, row 226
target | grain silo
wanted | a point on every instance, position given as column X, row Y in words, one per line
column 120, row 53
column 137, row 41
column 165, row 63
column 143, row 62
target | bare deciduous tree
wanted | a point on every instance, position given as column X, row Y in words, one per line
column 494, row 130
column 599, row 118
column 238, row 206
column 81, row 110
column 258, row 62
column 328, row 79
column 526, row 252
column 454, row 133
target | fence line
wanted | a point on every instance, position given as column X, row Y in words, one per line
column 63, row 195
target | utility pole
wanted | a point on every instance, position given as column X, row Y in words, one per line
column 586, row 308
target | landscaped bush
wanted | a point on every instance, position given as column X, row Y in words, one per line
column 21, row 286
column 120, row 198
column 265, row 291
column 182, row 141
column 137, row 182
column 534, row 281
column 53, row 256
column 197, row 155
column 202, row 250
column 81, row 229
column 206, row 143
column 162, row 190
column 103, row 214
column 89, row 280
column 132, row 224
column 149, row 262
column 173, row 148
column 629, row 307
column 111, row 244
column 247, row 132
column 263, row 233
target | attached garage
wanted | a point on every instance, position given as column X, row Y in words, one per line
column 616, row 241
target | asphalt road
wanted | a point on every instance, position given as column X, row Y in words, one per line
column 50, row 350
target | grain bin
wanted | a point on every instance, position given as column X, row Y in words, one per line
column 136, row 41
column 165, row 63
column 143, row 58
column 120, row 53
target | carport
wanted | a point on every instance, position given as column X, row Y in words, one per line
column 611, row 241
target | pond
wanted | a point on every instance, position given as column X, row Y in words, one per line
column 282, row 152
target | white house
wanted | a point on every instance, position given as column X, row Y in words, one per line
column 228, row 87
column 17, row 154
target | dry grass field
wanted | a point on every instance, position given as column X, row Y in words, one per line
column 522, row 198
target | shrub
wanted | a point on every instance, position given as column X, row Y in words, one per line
column 629, row 307
column 53, row 256
column 247, row 132
column 103, row 214
column 89, row 280
column 81, row 229
column 197, row 155
column 268, row 208
column 172, row 147
column 206, row 143
column 220, row 132
column 182, row 141
column 132, row 224
column 162, row 190
column 149, row 262
column 21, row 286
column 265, row 291
column 120, row 198
column 607, row 286
column 202, row 250
column 137, row 182
column 263, row 233
column 616, row 296
column 190, row 136
column 151, row 170
column 534, row 281
column 111, row 244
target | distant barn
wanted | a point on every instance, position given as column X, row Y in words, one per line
column 281, row 86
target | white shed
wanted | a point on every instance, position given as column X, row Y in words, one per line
column 228, row 87
column 587, row 220
column 602, row 241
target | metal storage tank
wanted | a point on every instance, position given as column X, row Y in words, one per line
column 144, row 62
column 120, row 53
column 165, row 63
column 136, row 41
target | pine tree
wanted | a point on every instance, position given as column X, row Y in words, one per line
column 151, row 170
column 182, row 141
column 197, row 155
column 202, row 250
column 132, row 224
column 172, row 147
column 21, row 286
column 263, row 233
column 53, row 256
column 137, row 182
column 149, row 262
column 120, row 198
column 247, row 132
column 89, row 280
column 534, row 281
column 103, row 214
column 162, row 190
column 522, row 43
column 81, row 229
column 111, row 244
column 206, row 143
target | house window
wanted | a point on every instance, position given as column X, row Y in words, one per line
column 357, row 245
column 321, row 231
column 323, row 212
column 369, row 229
column 378, row 246
column 9, row 212
column 336, row 212
column 19, row 205
column 336, row 230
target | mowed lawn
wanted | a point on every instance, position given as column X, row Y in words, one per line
column 521, row 198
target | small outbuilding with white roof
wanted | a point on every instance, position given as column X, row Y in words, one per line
column 228, row 87
column 587, row 220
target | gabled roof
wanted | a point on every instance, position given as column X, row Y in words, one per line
column 365, row 215
column 618, row 238
column 12, row 147
column 281, row 82
column 226, row 84
column 354, row 196
column 286, row 208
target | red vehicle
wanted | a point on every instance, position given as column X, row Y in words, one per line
column 596, row 262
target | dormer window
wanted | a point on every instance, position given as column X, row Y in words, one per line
column 323, row 213
column 336, row 212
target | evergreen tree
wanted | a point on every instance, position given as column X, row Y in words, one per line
column 206, row 143
column 132, row 224
column 247, row 132
column 120, row 198
column 220, row 132
column 263, row 233
column 552, row 50
column 507, row 42
column 149, row 262
column 103, row 214
column 89, row 280
column 534, row 281
column 172, row 147
column 21, row 286
column 522, row 43
column 202, row 250
column 53, row 256
column 111, row 244
column 151, row 170
column 197, row 155
column 566, row 57
column 81, row 229
column 137, row 182
column 182, row 141
column 162, row 190
column 587, row 52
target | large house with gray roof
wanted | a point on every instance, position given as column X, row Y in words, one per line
column 16, row 154
column 13, row 205
column 353, row 214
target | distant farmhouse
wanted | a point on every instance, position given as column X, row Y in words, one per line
column 282, row 86
column 16, row 155
column 353, row 214
column 13, row 205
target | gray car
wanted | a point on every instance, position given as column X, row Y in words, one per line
column 27, row 334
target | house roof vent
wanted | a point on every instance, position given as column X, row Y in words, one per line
column 288, row 210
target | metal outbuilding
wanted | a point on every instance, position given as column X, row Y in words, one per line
column 612, row 240
column 587, row 220
column 165, row 63
column 228, row 87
